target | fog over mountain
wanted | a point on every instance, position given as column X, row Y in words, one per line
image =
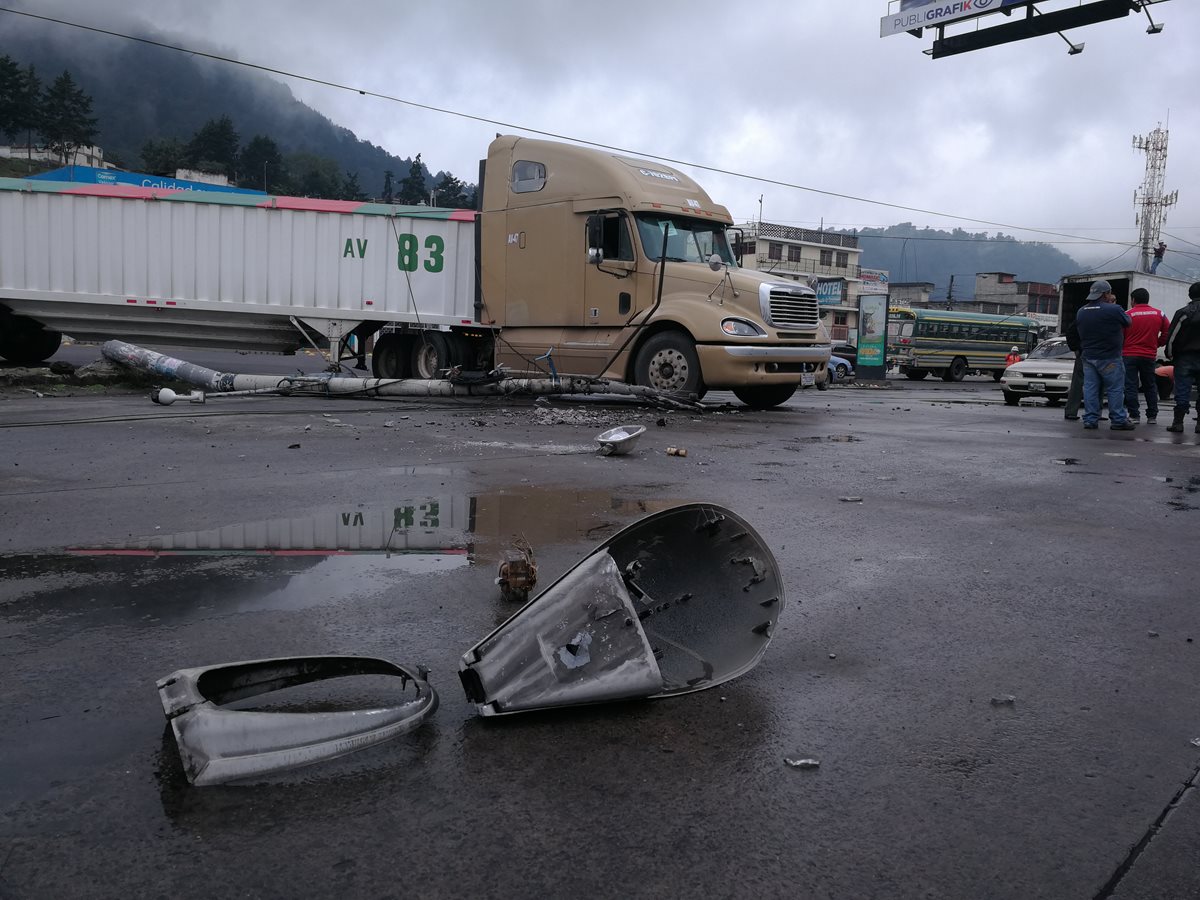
column 142, row 92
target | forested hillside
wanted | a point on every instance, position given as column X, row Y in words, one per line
column 927, row 254
column 143, row 93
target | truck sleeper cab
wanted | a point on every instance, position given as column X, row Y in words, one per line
column 572, row 246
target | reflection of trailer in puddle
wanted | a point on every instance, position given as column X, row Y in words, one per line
column 455, row 526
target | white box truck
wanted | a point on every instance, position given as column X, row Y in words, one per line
column 1167, row 294
column 620, row 268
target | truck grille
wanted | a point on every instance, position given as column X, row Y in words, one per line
column 787, row 309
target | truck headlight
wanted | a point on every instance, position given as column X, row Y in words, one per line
column 741, row 328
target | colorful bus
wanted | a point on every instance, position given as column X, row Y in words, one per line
column 955, row 344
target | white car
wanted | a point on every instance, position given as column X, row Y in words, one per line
column 1046, row 372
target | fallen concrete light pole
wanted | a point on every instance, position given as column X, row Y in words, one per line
column 231, row 384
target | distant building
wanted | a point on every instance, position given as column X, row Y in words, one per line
column 910, row 293
column 81, row 156
column 828, row 260
column 1000, row 292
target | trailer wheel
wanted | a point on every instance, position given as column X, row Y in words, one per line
column 24, row 342
column 915, row 374
column 430, row 355
column 389, row 359
column 668, row 362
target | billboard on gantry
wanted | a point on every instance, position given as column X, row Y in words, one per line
column 923, row 13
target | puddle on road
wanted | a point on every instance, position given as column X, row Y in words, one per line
column 323, row 557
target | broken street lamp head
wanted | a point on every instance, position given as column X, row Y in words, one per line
column 680, row 601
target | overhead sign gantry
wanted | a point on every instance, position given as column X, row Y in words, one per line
column 1028, row 19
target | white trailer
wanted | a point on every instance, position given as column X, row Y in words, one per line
column 193, row 269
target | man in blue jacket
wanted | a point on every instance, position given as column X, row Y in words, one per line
column 1101, row 324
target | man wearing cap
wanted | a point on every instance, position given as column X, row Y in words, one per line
column 1147, row 333
column 1101, row 325
column 1183, row 349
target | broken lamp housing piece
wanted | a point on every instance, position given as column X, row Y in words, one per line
column 683, row 600
column 217, row 744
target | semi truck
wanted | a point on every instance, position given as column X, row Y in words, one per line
column 1167, row 294
column 576, row 260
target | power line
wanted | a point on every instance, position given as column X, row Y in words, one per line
column 450, row 112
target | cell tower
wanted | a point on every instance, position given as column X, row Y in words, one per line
column 1149, row 200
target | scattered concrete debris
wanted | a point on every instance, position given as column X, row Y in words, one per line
column 518, row 572
column 851, row 499
column 802, row 762
column 218, row 744
column 1005, row 700
column 676, row 451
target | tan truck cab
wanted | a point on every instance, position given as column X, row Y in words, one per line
column 622, row 268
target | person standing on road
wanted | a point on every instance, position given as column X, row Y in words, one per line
column 1014, row 357
column 1102, row 325
column 1147, row 333
column 1183, row 349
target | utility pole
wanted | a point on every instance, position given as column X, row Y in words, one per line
column 950, row 293
column 1149, row 200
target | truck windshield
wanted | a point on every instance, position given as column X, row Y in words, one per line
column 688, row 240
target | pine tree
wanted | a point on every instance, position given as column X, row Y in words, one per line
column 11, row 82
column 261, row 165
column 450, row 192
column 66, row 122
column 214, row 148
column 412, row 187
column 27, row 107
column 389, row 191
column 164, row 157
column 351, row 190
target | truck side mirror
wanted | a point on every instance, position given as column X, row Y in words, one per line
column 595, row 239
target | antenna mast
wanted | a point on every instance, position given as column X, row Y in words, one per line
column 1149, row 200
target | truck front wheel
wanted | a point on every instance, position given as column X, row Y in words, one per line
column 668, row 362
column 24, row 342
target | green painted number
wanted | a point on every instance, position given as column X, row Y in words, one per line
column 436, row 247
column 406, row 253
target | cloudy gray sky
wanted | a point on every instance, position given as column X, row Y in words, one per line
column 804, row 92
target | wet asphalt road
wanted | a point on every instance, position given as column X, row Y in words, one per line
column 978, row 566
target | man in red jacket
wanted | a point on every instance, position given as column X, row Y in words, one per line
column 1142, row 340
